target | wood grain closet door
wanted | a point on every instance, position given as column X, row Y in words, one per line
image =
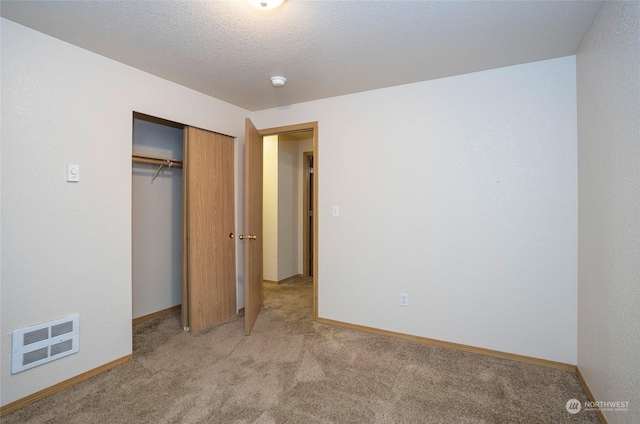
column 210, row 263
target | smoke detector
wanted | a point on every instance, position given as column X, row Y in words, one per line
column 278, row 81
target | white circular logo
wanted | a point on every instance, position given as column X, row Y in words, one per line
column 573, row 406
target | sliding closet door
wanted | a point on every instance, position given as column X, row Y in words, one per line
column 209, row 280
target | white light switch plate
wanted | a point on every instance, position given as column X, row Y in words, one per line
column 336, row 211
column 73, row 172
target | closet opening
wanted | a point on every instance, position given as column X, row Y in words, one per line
column 157, row 216
column 183, row 223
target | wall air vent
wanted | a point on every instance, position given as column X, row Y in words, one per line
column 46, row 342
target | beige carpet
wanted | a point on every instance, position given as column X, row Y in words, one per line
column 292, row 370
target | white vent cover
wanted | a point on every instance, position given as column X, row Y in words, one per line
column 46, row 342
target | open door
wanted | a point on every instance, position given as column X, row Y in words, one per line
column 209, row 271
column 253, row 295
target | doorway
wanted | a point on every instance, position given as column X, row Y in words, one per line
column 308, row 215
column 286, row 206
column 308, row 225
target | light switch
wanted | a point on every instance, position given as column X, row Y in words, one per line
column 336, row 211
column 73, row 172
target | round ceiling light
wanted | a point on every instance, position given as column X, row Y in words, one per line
column 265, row 4
column 278, row 81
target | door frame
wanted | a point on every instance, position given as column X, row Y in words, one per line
column 288, row 129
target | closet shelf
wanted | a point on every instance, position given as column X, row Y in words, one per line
column 156, row 161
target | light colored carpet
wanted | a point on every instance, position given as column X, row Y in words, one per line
column 293, row 370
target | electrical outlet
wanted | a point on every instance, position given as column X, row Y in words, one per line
column 404, row 299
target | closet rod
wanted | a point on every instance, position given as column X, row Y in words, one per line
column 157, row 161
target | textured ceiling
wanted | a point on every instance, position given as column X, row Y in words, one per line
column 229, row 50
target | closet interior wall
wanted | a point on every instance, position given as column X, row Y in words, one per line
column 156, row 219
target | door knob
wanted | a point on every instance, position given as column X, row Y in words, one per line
column 250, row 237
column 241, row 236
column 230, row 235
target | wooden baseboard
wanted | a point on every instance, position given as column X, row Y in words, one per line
column 286, row 280
column 156, row 314
column 590, row 395
column 10, row 407
column 482, row 351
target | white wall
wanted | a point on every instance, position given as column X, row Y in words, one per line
column 156, row 220
column 270, row 208
column 461, row 192
column 66, row 247
column 608, row 76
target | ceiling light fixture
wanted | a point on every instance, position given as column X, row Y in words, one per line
column 278, row 81
column 265, row 4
